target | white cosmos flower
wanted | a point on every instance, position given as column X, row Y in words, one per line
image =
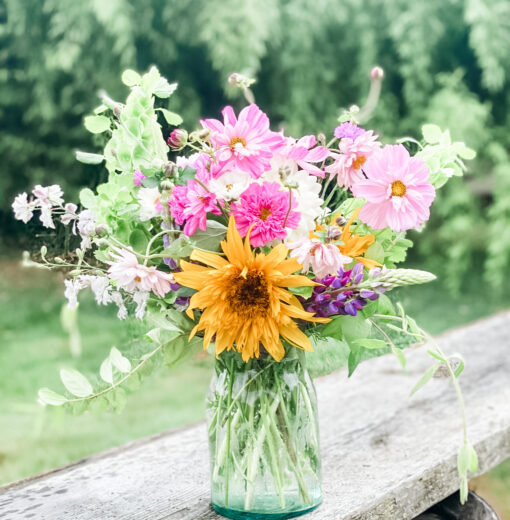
column 150, row 206
column 230, row 185
column 48, row 195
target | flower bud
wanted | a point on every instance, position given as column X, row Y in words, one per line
column 341, row 221
column 101, row 230
column 177, row 139
column 333, row 233
column 170, row 169
column 166, row 184
column 234, row 79
column 377, row 73
column 321, row 139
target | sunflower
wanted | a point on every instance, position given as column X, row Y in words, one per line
column 243, row 298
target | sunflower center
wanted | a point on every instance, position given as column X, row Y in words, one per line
column 264, row 213
column 398, row 189
column 359, row 162
column 249, row 294
column 236, row 140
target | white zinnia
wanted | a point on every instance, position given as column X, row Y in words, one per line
column 150, row 206
column 230, row 185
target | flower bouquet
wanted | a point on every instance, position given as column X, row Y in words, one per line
column 259, row 246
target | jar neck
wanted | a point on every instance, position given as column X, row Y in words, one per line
column 233, row 361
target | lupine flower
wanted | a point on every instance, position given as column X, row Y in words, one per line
column 338, row 294
column 138, row 177
column 245, row 143
column 131, row 276
column 354, row 152
column 23, row 208
column 397, row 190
column 265, row 207
column 324, row 259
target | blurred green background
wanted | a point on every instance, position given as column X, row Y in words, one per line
column 445, row 62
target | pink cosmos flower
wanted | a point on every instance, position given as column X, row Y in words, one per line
column 304, row 154
column 397, row 190
column 266, row 207
column 206, row 168
column 325, row 259
column 190, row 204
column 131, row 275
column 245, row 143
column 353, row 155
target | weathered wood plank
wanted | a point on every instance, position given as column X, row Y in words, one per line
column 385, row 455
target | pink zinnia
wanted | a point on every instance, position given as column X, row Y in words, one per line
column 131, row 275
column 245, row 144
column 191, row 204
column 354, row 153
column 266, row 207
column 397, row 190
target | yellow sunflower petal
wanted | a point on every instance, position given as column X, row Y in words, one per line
column 210, row 259
column 296, row 337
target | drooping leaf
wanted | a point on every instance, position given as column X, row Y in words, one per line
column 97, row 124
column 76, row 383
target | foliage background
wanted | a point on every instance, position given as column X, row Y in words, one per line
column 445, row 62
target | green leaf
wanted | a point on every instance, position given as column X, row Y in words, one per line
column 88, row 158
column 464, row 490
column 329, row 355
column 429, row 374
column 171, row 117
column 355, row 357
column 76, row 383
column 463, row 459
column 210, row 239
column 138, row 240
column 369, row 343
column 185, row 175
column 97, row 124
column 350, row 328
column 121, row 363
column 375, row 252
column 432, row 133
column 87, row 198
column 131, row 78
column 436, row 356
column 304, row 291
column 181, row 247
column 105, row 371
column 385, row 305
column 47, row 396
column 473, row 460
column 163, row 89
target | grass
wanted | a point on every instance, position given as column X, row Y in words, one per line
column 33, row 347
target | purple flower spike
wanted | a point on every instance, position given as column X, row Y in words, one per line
column 351, row 309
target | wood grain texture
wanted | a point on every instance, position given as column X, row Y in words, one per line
column 385, row 455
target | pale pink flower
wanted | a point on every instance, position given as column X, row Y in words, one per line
column 245, row 144
column 70, row 213
column 325, row 259
column 353, row 154
column 23, row 208
column 48, row 195
column 150, row 205
column 206, row 168
column 191, row 204
column 265, row 207
column 305, row 153
column 397, row 190
column 132, row 276
column 138, row 177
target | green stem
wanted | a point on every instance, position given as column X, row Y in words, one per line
column 229, row 428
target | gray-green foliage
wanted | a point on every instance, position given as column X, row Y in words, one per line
column 445, row 63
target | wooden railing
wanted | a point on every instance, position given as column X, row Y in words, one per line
column 385, row 455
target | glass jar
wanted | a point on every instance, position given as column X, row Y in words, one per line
column 263, row 437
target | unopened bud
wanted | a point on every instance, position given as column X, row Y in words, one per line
column 170, row 169
column 58, row 260
column 234, row 79
column 101, row 230
column 333, row 234
column 284, row 172
column 117, row 111
column 177, row 139
column 204, row 134
column 166, row 184
column 341, row 221
column 377, row 73
column 321, row 138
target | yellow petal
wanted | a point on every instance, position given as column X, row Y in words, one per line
column 211, row 259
